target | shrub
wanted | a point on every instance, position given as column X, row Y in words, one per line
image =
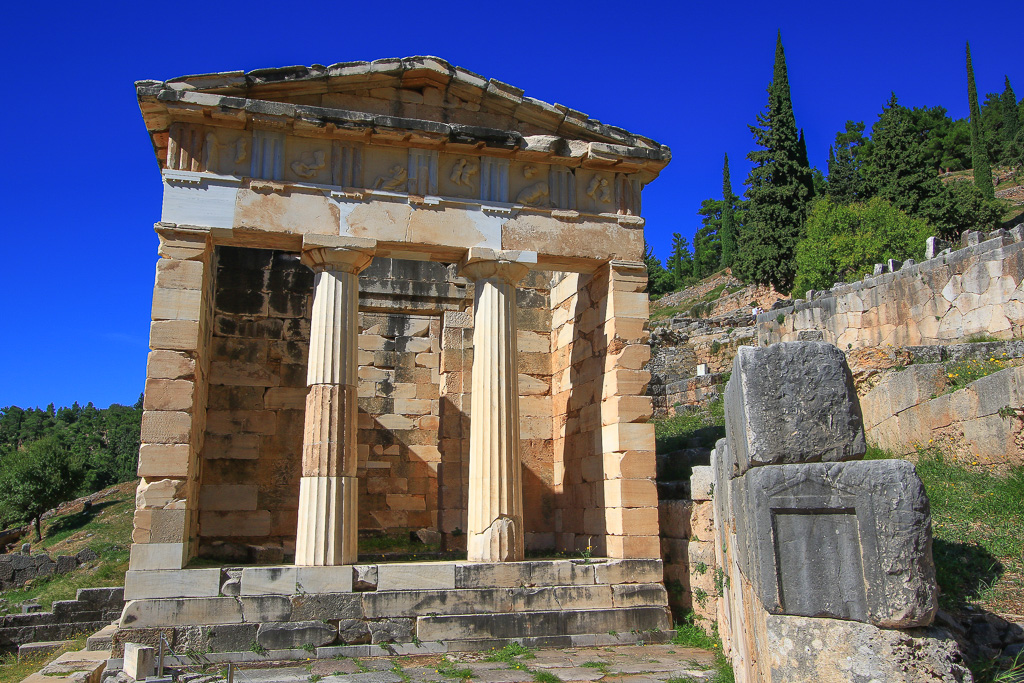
column 844, row 241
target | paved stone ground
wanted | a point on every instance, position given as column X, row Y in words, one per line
column 614, row 664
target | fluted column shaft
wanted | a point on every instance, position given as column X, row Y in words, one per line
column 328, row 514
column 495, row 524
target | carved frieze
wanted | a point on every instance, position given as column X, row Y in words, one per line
column 562, row 184
column 309, row 164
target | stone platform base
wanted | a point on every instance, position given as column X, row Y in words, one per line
column 413, row 608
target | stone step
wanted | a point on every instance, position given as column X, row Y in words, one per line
column 567, row 622
column 82, row 666
column 102, row 639
column 41, row 647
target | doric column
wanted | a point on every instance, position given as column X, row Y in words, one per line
column 328, row 519
column 495, row 532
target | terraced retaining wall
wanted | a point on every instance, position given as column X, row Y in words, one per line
column 974, row 290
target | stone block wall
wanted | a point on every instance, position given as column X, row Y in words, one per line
column 252, row 453
column 91, row 610
column 604, row 447
column 399, row 421
column 16, row 569
column 692, row 577
column 974, row 290
column 811, row 539
column 174, row 418
column 913, row 407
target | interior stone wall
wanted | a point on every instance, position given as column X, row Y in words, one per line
column 251, row 457
column 415, row 378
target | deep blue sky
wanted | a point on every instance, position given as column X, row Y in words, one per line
column 81, row 186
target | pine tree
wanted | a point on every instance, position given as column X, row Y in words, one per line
column 1011, row 123
column 778, row 187
column 898, row 170
column 658, row 279
column 979, row 159
column 680, row 261
column 728, row 230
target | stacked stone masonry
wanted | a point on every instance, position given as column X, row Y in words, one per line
column 91, row 610
column 287, row 607
column 810, row 538
column 976, row 290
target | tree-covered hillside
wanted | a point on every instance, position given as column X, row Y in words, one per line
column 888, row 185
column 52, row 455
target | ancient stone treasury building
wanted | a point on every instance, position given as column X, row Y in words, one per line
column 393, row 297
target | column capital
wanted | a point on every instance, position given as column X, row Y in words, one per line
column 334, row 252
column 507, row 264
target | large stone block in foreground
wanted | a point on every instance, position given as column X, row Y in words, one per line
column 802, row 650
column 790, row 403
column 840, row 540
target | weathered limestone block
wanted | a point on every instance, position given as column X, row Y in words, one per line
column 391, row 630
column 804, row 650
column 139, row 661
column 353, row 631
column 259, row 609
column 295, row 634
column 842, row 540
column 328, row 606
column 791, row 402
column 181, row 583
column 181, row 612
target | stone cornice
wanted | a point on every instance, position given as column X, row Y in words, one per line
column 235, row 100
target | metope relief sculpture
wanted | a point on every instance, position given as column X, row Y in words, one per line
column 599, row 189
column 309, row 164
column 394, row 180
column 463, row 171
column 535, row 194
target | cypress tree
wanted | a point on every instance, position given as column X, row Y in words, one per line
column 979, row 159
column 1011, row 122
column 778, row 187
column 728, row 230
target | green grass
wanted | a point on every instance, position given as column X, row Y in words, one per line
column 106, row 529
column 976, row 526
column 447, row 668
column 689, row 634
column 981, row 338
column 546, row 677
column 509, row 653
column 703, row 427
column 961, row 373
column 13, row 671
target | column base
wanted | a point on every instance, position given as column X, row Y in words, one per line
column 328, row 532
column 502, row 541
